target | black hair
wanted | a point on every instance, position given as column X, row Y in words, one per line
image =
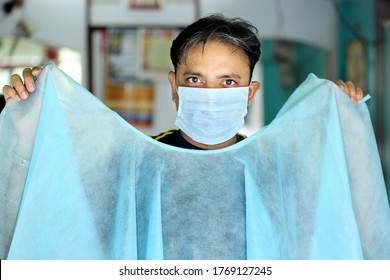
column 235, row 31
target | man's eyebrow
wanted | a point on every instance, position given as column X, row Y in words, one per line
column 190, row 73
column 229, row 75
column 222, row 76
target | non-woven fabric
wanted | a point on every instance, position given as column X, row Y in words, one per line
column 78, row 182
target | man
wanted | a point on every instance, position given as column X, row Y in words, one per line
column 213, row 61
column 278, row 196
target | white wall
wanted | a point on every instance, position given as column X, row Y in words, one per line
column 309, row 21
column 64, row 23
column 56, row 23
column 118, row 13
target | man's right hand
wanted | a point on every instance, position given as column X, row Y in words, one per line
column 21, row 88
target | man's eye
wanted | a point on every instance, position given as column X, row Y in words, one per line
column 229, row 82
column 193, row 80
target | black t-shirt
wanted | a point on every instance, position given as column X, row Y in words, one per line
column 174, row 138
column 2, row 102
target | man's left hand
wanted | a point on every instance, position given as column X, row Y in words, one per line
column 355, row 93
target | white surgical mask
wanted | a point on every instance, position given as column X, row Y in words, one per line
column 211, row 115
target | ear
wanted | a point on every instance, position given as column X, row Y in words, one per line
column 172, row 82
column 253, row 88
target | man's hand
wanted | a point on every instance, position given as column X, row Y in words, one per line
column 20, row 89
column 355, row 93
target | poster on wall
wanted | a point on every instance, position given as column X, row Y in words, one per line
column 135, row 60
column 133, row 101
column 156, row 50
column 126, row 91
column 123, row 54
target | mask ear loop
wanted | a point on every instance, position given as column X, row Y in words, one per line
column 177, row 88
column 179, row 103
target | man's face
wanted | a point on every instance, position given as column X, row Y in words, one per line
column 213, row 65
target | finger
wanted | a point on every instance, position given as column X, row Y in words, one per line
column 358, row 93
column 349, row 89
column 28, row 79
column 10, row 93
column 36, row 70
column 352, row 92
column 341, row 84
column 17, row 84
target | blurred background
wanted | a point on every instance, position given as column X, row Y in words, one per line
column 119, row 50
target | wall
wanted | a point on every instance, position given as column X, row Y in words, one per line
column 310, row 21
column 282, row 75
column 57, row 23
column 172, row 12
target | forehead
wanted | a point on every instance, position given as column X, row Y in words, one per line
column 214, row 54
